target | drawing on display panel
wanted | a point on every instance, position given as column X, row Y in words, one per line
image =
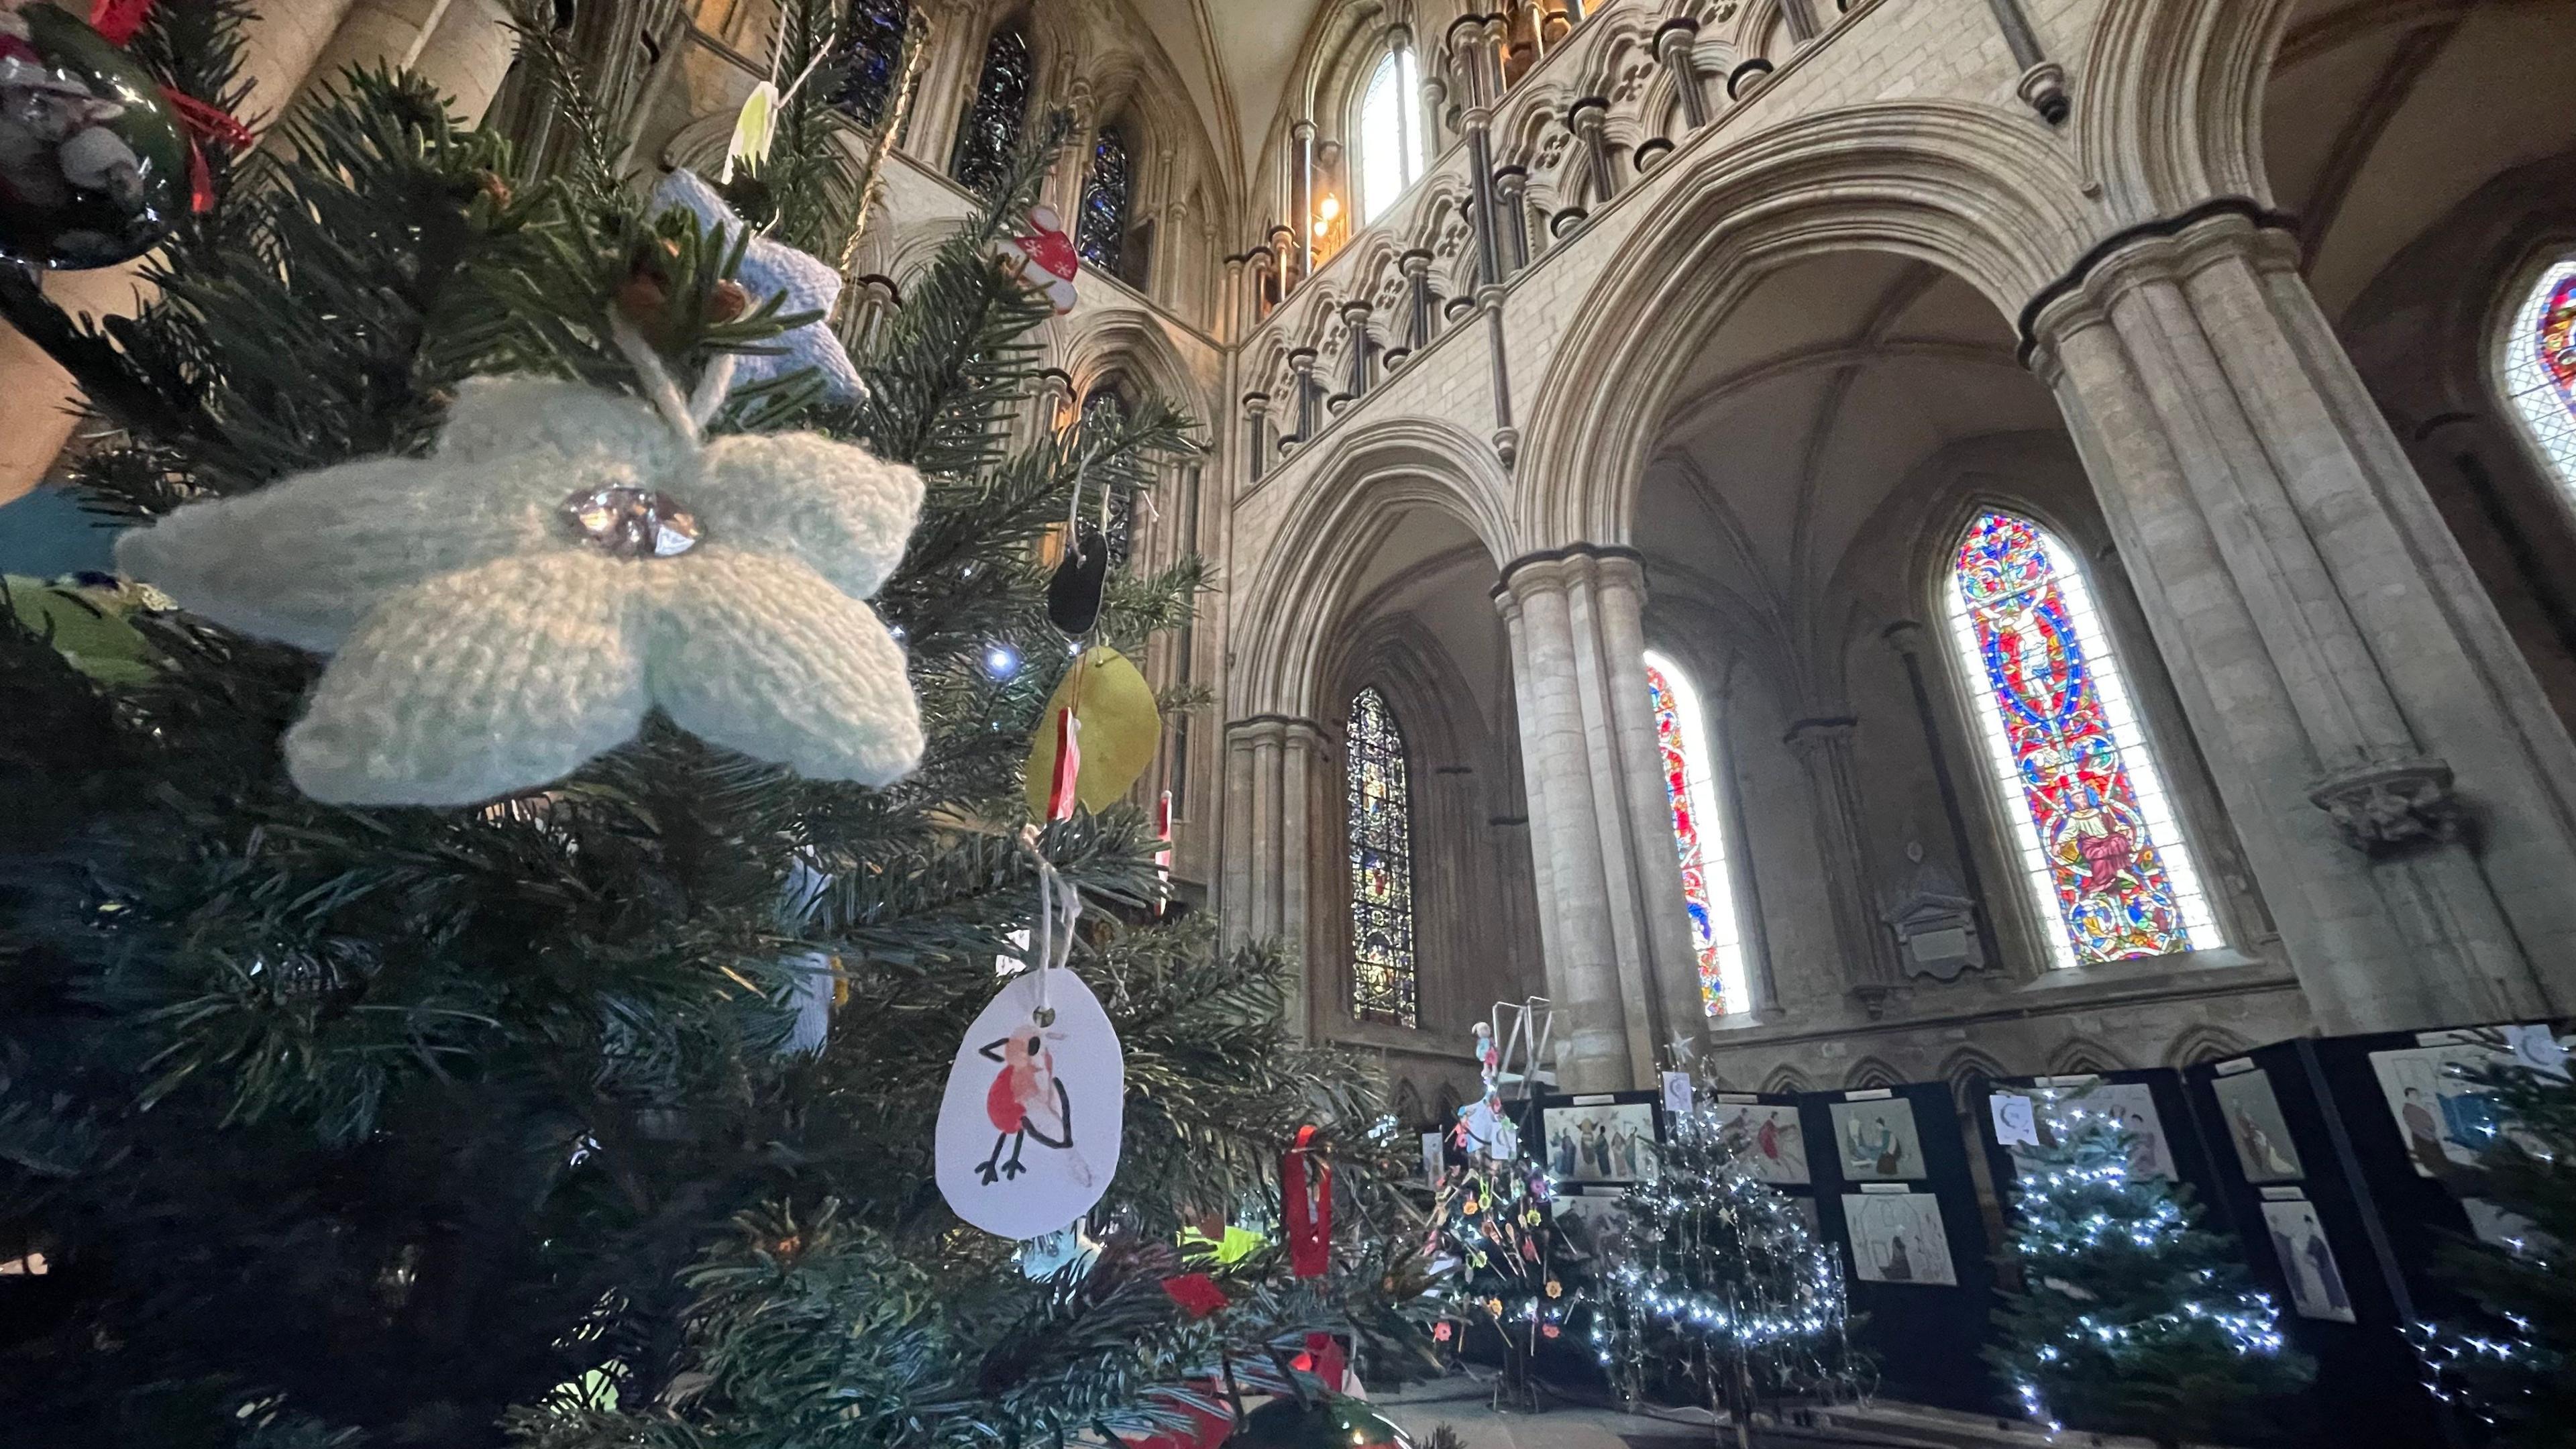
column 1772, row 1140
column 1897, row 1237
column 2308, row 1262
column 2255, row 1125
column 2133, row 1106
column 1608, row 1142
column 2446, row 1121
column 1876, row 1141
column 1591, row 1225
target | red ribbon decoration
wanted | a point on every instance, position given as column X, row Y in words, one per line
column 1309, row 1219
column 117, row 20
column 1196, row 1293
column 1068, row 767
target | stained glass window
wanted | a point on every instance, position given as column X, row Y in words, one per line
column 2098, row 837
column 1105, row 407
column 997, row 112
column 1101, row 234
column 1381, row 838
column 1708, row 894
column 871, row 47
column 2540, row 368
column 1390, row 133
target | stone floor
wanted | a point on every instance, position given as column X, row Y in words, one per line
column 1465, row 1404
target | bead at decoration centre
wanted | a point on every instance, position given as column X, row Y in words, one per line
column 633, row 523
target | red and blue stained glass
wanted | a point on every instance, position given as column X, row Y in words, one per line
column 2558, row 340
column 1706, row 945
column 1381, row 841
column 2114, row 892
column 2540, row 367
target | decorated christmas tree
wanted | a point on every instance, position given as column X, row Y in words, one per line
column 1515, row 1280
column 1719, row 1283
column 2513, row 1367
column 1510, row 1277
column 486, row 965
column 2130, row 1318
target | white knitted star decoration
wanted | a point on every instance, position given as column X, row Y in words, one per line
column 510, row 606
column 770, row 269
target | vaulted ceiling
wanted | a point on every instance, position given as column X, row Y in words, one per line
column 2382, row 115
column 1237, row 58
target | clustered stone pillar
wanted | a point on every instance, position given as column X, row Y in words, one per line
column 1674, row 42
column 1273, row 764
column 1617, row 941
column 2403, row 791
column 1801, row 15
column 1475, row 45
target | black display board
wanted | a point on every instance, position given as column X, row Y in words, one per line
column 1898, row 1145
column 2355, row 1139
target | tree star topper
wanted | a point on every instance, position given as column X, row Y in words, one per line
column 565, row 559
column 803, row 283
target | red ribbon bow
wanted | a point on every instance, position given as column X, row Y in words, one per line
column 1308, row 1218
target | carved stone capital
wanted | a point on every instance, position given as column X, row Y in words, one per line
column 1810, row 737
column 2389, row 808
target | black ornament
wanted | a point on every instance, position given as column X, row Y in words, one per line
column 93, row 164
column 1073, row 596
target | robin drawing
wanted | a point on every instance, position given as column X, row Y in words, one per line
column 1026, row 1100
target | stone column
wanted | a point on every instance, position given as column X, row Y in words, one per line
column 1511, row 193
column 1301, row 373
column 1637, row 765
column 1064, row 186
column 1051, row 398
column 1273, row 764
column 1421, row 317
column 462, row 47
column 1232, row 321
column 1614, row 931
column 1824, row 749
column 1674, row 40
column 1801, row 15
column 1586, row 117
column 1302, row 196
column 37, row 398
column 2405, row 795
column 958, row 32
column 1256, row 433
column 1283, row 262
column 1355, row 320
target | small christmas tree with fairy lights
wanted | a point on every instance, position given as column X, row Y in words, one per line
column 2131, row 1317
column 1720, row 1282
